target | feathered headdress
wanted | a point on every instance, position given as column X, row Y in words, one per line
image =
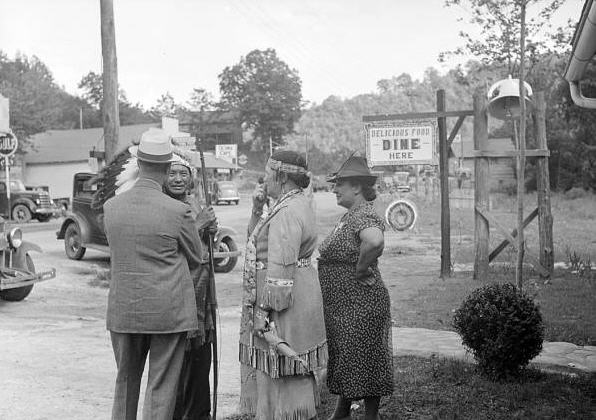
column 123, row 171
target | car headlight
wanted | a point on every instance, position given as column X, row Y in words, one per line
column 15, row 237
column 37, row 201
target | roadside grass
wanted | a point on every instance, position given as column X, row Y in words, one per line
column 567, row 301
column 439, row 388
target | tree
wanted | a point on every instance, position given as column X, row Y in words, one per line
column 36, row 102
column 265, row 91
column 92, row 86
column 499, row 22
column 167, row 107
column 200, row 100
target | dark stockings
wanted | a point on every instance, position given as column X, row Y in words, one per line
column 342, row 409
column 371, row 408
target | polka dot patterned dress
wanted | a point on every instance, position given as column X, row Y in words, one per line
column 357, row 316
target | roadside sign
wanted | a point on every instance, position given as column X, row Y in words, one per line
column 242, row 160
column 4, row 115
column 11, row 161
column 227, row 152
column 187, row 143
column 399, row 142
column 8, row 144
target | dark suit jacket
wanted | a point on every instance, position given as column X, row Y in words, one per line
column 153, row 246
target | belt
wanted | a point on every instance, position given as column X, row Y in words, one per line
column 301, row 263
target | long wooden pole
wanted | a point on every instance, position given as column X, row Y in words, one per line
column 545, row 217
column 481, row 197
column 444, row 173
column 214, row 345
column 111, row 119
column 521, row 162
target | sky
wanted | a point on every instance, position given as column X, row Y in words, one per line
column 338, row 47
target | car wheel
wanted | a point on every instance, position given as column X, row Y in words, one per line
column 21, row 213
column 15, row 295
column 44, row 217
column 225, row 265
column 237, row 202
column 72, row 242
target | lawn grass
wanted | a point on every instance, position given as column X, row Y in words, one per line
column 438, row 388
column 421, row 299
column 567, row 304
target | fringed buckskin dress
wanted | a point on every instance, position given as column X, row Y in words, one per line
column 357, row 317
column 279, row 277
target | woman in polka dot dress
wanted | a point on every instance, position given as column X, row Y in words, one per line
column 355, row 300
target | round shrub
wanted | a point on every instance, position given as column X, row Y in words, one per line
column 501, row 327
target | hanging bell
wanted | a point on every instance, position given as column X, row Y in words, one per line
column 503, row 97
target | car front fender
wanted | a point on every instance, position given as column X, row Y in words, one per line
column 222, row 232
column 19, row 256
column 80, row 222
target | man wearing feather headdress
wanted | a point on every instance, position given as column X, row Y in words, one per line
column 193, row 400
column 154, row 248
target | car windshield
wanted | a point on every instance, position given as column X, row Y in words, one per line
column 227, row 185
column 17, row 185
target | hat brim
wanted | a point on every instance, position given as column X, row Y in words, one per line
column 333, row 178
column 134, row 151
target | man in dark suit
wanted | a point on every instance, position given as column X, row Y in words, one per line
column 154, row 246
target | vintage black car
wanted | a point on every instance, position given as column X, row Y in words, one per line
column 17, row 271
column 83, row 228
column 225, row 192
column 26, row 204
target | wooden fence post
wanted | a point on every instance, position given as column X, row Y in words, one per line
column 444, row 173
column 481, row 193
column 545, row 217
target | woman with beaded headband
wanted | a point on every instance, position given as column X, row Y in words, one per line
column 282, row 304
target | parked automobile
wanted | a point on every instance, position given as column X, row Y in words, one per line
column 62, row 204
column 83, row 228
column 401, row 181
column 17, row 271
column 26, row 205
column 225, row 192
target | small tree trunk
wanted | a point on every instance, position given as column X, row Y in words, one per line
column 522, row 155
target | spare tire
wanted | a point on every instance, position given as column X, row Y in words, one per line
column 401, row 215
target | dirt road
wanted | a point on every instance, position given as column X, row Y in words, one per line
column 56, row 360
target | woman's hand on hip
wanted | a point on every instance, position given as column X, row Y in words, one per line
column 366, row 277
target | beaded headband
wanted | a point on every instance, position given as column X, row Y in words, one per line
column 288, row 168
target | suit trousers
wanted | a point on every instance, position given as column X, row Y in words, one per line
column 193, row 401
column 166, row 353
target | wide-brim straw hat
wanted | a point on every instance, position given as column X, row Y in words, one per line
column 353, row 167
column 154, row 147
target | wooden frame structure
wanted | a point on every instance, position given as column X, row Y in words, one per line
column 544, row 264
column 482, row 217
column 444, row 143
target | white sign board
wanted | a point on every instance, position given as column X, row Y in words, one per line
column 411, row 142
column 8, row 144
column 4, row 115
column 186, row 143
column 227, row 152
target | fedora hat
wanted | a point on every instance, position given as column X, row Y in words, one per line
column 353, row 167
column 154, row 147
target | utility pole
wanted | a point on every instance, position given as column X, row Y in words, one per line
column 270, row 146
column 111, row 119
column 306, row 146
